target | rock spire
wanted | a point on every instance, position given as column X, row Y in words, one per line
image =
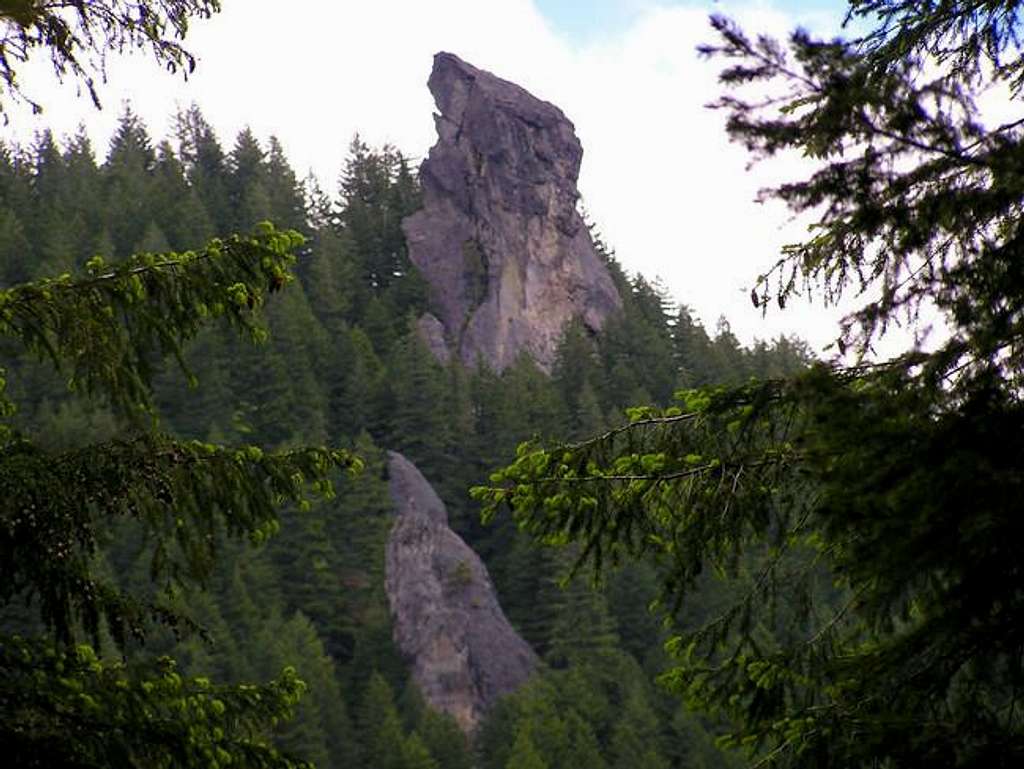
column 499, row 240
column 463, row 652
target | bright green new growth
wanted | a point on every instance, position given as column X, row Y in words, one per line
column 96, row 713
column 867, row 519
column 108, row 331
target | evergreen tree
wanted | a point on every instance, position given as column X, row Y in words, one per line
column 127, row 177
column 636, row 348
column 445, row 741
column 108, row 327
column 176, row 207
column 287, row 201
column 574, row 372
column 692, row 349
column 82, row 193
column 415, row 754
column 583, row 629
column 634, row 742
column 583, row 745
column 331, row 279
column 385, row 746
column 205, row 166
column 524, row 754
column 727, row 358
column 417, row 425
column 246, row 183
column 13, row 240
column 16, row 209
column 892, row 484
column 377, row 192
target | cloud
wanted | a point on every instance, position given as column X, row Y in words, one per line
column 659, row 176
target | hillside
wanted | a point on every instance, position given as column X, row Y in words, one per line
column 347, row 363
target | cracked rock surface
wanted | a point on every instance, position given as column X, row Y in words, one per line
column 447, row 621
column 499, row 239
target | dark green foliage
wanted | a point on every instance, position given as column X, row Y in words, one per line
column 594, row 713
column 636, row 348
column 185, row 496
column 69, row 708
column 862, row 516
column 105, row 330
column 342, row 366
column 377, row 191
column 524, row 754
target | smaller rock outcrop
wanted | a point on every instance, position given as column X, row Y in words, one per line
column 507, row 256
column 446, row 617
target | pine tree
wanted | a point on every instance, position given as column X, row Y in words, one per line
column 127, row 176
column 417, row 426
column 583, row 744
column 287, row 201
column 385, row 741
column 415, row 754
column 893, row 485
column 728, row 360
column 108, row 327
column 377, row 192
column 692, row 350
column 83, row 192
column 176, row 207
column 205, row 166
column 13, row 240
column 524, row 754
column 444, row 740
column 636, row 348
column 16, row 209
column 574, row 372
column 634, row 742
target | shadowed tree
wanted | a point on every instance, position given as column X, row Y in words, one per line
column 867, row 515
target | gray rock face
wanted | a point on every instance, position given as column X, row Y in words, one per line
column 499, row 240
column 447, row 621
column 432, row 332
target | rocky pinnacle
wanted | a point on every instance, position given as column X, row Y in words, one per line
column 447, row 622
column 499, row 240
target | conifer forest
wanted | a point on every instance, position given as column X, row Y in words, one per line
column 722, row 555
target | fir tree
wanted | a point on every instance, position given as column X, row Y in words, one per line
column 524, row 754
column 894, row 484
column 385, row 741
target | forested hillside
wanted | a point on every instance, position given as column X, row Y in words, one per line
column 343, row 365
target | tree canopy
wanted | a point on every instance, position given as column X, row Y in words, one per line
column 105, row 330
column 129, row 502
column 864, row 513
column 341, row 362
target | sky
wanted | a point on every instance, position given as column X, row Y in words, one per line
column 659, row 177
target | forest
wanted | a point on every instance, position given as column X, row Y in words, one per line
column 724, row 555
column 343, row 365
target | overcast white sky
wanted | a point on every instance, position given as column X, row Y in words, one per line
column 659, row 177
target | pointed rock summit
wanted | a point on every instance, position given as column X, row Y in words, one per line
column 447, row 621
column 507, row 255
